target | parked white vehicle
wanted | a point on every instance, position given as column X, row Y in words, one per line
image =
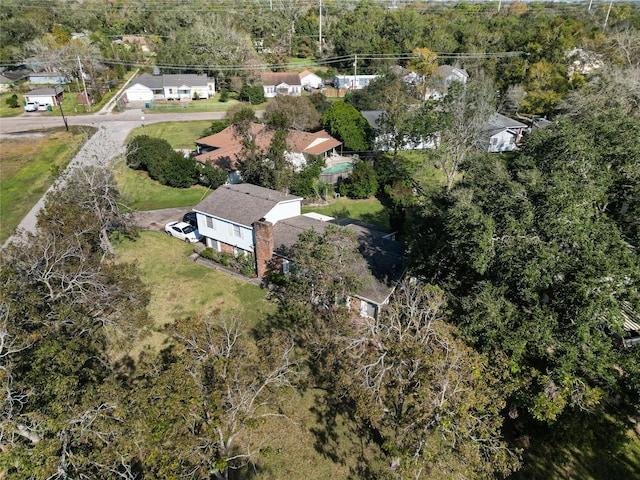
column 31, row 107
column 183, row 231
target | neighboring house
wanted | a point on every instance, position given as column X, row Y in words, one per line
column 310, row 80
column 45, row 96
column 149, row 87
column 281, row 83
column 448, row 74
column 501, row 134
column 44, row 78
column 437, row 86
column 246, row 219
column 352, row 82
column 16, row 75
column 223, row 149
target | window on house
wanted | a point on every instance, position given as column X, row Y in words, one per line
column 171, row 90
column 210, row 223
column 494, row 141
column 236, row 231
column 285, row 266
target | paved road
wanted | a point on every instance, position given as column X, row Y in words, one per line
column 105, row 145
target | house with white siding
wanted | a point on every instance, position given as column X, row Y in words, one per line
column 147, row 87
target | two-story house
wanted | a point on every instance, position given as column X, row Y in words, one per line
column 247, row 219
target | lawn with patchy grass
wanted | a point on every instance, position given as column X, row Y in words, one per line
column 369, row 210
column 181, row 288
column 178, row 134
column 140, row 192
column 28, row 168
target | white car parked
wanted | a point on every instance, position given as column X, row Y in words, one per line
column 31, row 107
column 183, row 231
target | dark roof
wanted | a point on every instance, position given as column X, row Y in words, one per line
column 4, row 79
column 372, row 116
column 285, row 232
column 385, row 258
column 243, row 203
column 498, row 122
column 15, row 75
column 46, row 91
column 172, row 80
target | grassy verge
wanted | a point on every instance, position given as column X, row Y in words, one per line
column 28, row 168
column 209, row 105
column 369, row 210
column 142, row 193
column 178, row 134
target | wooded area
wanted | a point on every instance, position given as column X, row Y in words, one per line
column 506, row 332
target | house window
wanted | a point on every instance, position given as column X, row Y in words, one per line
column 210, row 223
column 236, row 231
column 285, row 266
column 494, row 141
column 171, row 90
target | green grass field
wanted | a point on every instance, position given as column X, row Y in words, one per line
column 139, row 192
column 178, row 134
column 369, row 211
column 28, row 168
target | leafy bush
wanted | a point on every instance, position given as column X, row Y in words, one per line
column 210, row 176
column 216, row 126
column 362, row 183
column 163, row 163
column 12, row 101
column 253, row 95
column 224, row 95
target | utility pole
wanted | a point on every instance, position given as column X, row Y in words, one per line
column 607, row 18
column 86, row 96
column 499, row 4
column 320, row 29
column 355, row 72
column 590, row 2
column 64, row 119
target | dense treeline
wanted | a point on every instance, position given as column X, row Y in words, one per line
column 522, row 47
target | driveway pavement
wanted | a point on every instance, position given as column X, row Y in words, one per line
column 157, row 219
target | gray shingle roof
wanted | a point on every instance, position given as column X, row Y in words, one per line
column 243, row 203
column 498, row 121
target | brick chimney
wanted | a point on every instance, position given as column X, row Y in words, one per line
column 264, row 245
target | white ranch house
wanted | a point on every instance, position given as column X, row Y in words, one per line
column 149, row 87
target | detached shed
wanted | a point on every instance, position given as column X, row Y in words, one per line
column 82, row 99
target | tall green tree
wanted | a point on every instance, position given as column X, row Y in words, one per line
column 537, row 270
column 347, row 124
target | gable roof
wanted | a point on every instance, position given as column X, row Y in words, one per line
column 228, row 147
column 276, row 78
column 172, row 80
column 446, row 70
column 4, row 79
column 46, row 91
column 498, row 122
column 242, row 204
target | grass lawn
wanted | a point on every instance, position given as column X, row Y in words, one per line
column 142, row 193
column 182, row 288
column 369, row 210
column 178, row 134
column 28, row 168
column 5, row 110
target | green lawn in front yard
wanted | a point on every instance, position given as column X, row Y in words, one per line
column 182, row 288
column 28, row 167
column 178, row 134
column 6, row 110
column 369, row 210
column 205, row 105
column 142, row 193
